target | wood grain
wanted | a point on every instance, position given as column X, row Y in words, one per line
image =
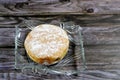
column 91, row 35
column 61, row 7
column 82, row 20
column 105, row 67
column 102, row 57
column 102, row 29
column 101, row 34
column 101, row 43
column 87, row 75
column 97, row 57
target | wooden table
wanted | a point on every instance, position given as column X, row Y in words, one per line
column 100, row 20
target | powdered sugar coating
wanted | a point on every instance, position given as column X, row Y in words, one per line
column 47, row 40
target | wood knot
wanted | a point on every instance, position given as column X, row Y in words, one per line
column 90, row 10
column 64, row 0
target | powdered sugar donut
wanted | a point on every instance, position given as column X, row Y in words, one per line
column 46, row 44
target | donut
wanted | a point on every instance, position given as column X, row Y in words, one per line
column 46, row 44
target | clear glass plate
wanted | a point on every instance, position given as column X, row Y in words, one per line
column 73, row 62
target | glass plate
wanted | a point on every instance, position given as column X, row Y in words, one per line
column 73, row 62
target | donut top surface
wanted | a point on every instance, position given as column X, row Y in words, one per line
column 46, row 43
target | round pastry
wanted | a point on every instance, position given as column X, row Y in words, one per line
column 46, row 44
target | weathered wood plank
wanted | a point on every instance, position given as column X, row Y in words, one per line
column 91, row 35
column 97, row 57
column 102, row 57
column 62, row 7
column 84, row 21
column 87, row 75
column 10, row 21
column 12, row 1
column 101, row 36
column 7, row 36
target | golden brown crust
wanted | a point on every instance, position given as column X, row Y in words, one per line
column 46, row 44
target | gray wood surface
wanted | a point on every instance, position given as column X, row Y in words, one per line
column 97, row 57
column 88, row 75
column 53, row 7
column 100, row 32
column 101, row 42
column 82, row 20
column 92, row 36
